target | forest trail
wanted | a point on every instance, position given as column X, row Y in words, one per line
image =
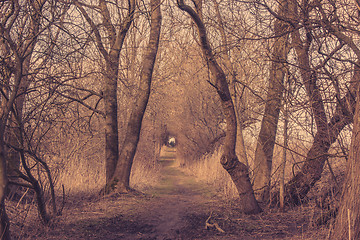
column 178, row 194
column 169, row 210
column 176, row 208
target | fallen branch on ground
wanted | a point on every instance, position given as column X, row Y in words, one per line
column 210, row 225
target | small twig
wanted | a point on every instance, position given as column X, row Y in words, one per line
column 27, row 190
column 209, row 225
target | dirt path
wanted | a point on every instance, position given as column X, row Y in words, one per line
column 159, row 213
column 175, row 209
column 177, row 196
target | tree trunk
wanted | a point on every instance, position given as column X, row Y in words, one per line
column 285, row 143
column 13, row 135
column 266, row 140
column 298, row 187
column 111, row 122
column 121, row 178
column 27, row 48
column 237, row 170
column 112, row 58
column 347, row 224
column 4, row 221
column 232, row 73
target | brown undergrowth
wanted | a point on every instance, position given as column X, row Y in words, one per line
column 176, row 207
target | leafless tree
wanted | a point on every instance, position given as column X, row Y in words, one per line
column 237, row 170
column 109, row 47
column 266, row 140
column 120, row 180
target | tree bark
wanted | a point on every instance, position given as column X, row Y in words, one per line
column 111, row 122
column 112, row 58
column 232, row 73
column 298, row 187
column 237, row 170
column 4, row 221
column 266, row 140
column 121, row 178
column 347, row 224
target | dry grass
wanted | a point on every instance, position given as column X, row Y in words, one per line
column 87, row 175
column 209, row 170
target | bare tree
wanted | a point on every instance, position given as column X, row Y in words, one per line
column 15, row 60
column 347, row 224
column 327, row 130
column 267, row 134
column 109, row 46
column 237, row 170
column 120, row 180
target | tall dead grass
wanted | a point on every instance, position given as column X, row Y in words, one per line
column 209, row 170
column 84, row 177
column 84, row 172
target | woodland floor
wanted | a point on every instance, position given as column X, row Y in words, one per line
column 177, row 208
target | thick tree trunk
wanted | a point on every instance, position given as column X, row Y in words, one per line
column 266, row 140
column 121, row 178
column 347, row 224
column 111, row 122
column 112, row 58
column 237, row 170
column 4, row 221
column 232, row 73
column 298, row 187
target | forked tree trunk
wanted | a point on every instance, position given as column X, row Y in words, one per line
column 318, row 153
column 298, row 187
column 266, row 140
column 112, row 57
column 237, row 170
column 121, row 178
column 347, row 224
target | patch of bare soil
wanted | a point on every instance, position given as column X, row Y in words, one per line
column 177, row 208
